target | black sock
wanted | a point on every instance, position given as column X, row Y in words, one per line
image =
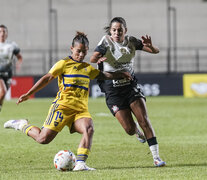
column 152, row 141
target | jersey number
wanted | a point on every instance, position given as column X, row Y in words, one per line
column 59, row 118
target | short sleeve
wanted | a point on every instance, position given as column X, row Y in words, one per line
column 58, row 68
column 101, row 48
column 16, row 49
column 137, row 43
column 93, row 72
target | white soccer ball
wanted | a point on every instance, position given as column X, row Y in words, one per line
column 64, row 160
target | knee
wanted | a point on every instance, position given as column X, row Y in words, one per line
column 90, row 130
column 130, row 131
column 43, row 140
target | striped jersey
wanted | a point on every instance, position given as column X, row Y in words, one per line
column 73, row 82
column 7, row 50
column 120, row 56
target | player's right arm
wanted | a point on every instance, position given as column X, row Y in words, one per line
column 56, row 70
column 97, row 58
column 99, row 52
column 45, row 80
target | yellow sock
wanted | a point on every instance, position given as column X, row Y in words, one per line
column 26, row 128
column 82, row 154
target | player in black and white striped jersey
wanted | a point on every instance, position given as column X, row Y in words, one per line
column 8, row 49
column 116, row 52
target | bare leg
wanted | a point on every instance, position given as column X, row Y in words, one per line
column 126, row 120
column 2, row 91
column 43, row 136
column 84, row 126
column 139, row 109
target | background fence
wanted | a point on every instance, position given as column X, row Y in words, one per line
column 184, row 60
column 44, row 30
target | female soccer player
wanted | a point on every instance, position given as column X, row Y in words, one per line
column 70, row 107
column 116, row 52
column 7, row 51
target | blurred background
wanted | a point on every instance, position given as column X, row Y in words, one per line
column 44, row 29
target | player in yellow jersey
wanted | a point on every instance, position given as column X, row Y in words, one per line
column 70, row 107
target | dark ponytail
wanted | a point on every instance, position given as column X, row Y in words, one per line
column 116, row 19
column 80, row 37
column 3, row 26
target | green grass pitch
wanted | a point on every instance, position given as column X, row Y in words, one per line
column 180, row 125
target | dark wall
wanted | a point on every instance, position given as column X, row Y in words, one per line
column 49, row 91
column 152, row 85
column 169, row 84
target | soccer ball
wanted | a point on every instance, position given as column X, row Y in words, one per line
column 64, row 160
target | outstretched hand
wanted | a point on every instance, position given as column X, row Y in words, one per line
column 22, row 98
column 147, row 41
column 101, row 59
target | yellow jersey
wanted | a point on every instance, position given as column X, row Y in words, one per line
column 73, row 82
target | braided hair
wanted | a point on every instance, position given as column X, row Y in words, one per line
column 80, row 37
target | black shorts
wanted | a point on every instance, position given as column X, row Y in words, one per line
column 6, row 76
column 121, row 97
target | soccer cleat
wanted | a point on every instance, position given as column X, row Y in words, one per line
column 81, row 166
column 140, row 136
column 158, row 162
column 16, row 124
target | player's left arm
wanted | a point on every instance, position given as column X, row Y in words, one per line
column 19, row 58
column 148, row 47
column 113, row 75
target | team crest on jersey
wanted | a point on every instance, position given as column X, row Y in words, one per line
column 115, row 108
column 123, row 50
column 78, row 68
